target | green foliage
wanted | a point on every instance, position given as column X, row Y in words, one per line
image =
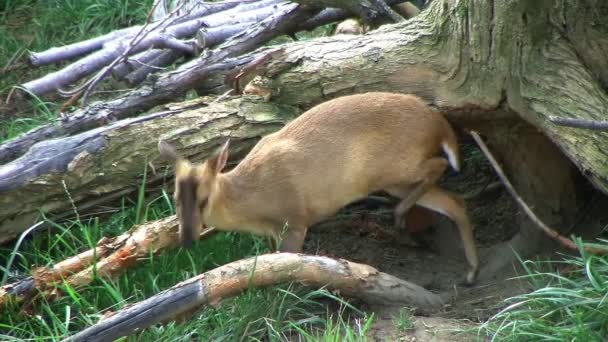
column 572, row 306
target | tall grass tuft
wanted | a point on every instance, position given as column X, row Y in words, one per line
column 565, row 306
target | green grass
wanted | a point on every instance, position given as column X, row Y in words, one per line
column 563, row 307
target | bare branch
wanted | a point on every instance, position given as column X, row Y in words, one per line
column 285, row 19
column 552, row 233
column 115, row 52
column 57, row 54
column 594, row 125
column 206, row 38
column 349, row 278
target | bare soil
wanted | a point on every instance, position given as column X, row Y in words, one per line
column 365, row 234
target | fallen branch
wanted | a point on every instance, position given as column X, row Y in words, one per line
column 349, row 278
column 580, row 123
column 370, row 11
column 58, row 54
column 99, row 165
column 552, row 233
column 113, row 52
column 206, row 38
column 108, row 259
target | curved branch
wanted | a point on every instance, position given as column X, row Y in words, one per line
column 550, row 232
column 349, row 278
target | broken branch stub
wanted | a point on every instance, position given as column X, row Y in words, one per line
column 348, row 278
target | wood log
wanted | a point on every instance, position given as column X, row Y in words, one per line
column 348, row 278
column 111, row 256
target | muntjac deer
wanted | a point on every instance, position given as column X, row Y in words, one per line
column 333, row 154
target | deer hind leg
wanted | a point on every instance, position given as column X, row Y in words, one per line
column 429, row 173
column 453, row 206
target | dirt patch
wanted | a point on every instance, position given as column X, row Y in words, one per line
column 437, row 329
column 364, row 233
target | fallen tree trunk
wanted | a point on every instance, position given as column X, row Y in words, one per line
column 94, row 165
column 349, row 278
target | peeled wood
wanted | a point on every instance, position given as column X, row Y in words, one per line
column 112, row 256
column 348, row 278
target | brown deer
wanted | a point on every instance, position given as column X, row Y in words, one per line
column 333, row 154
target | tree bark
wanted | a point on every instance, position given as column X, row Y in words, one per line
column 349, row 278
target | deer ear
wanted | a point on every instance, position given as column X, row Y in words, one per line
column 167, row 151
column 222, row 157
column 218, row 162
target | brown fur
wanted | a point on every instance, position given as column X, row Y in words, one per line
column 335, row 153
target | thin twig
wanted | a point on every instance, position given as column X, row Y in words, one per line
column 565, row 242
column 594, row 125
